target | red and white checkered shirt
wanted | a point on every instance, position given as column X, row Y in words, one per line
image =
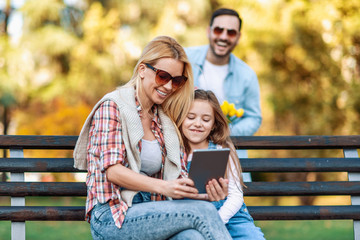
column 106, row 148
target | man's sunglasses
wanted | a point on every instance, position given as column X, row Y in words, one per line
column 219, row 30
column 162, row 77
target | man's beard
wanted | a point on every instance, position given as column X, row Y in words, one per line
column 226, row 54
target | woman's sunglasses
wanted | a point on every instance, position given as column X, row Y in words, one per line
column 162, row 77
column 219, row 30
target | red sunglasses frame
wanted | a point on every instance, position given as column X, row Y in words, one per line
column 177, row 82
column 219, row 30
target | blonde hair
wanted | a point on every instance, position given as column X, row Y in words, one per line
column 178, row 104
column 220, row 133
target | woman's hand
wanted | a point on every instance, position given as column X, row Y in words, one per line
column 179, row 188
column 124, row 177
column 217, row 190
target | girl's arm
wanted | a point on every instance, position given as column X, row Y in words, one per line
column 235, row 198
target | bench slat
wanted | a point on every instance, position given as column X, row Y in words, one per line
column 38, row 142
column 20, row 214
column 305, row 212
column 258, row 213
column 18, row 165
column 302, row 188
column 243, row 142
column 296, row 142
column 300, row 164
column 22, row 189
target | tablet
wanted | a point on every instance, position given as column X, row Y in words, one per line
column 208, row 164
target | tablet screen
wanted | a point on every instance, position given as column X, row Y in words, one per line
column 208, row 164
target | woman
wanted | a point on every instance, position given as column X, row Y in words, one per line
column 130, row 146
column 206, row 127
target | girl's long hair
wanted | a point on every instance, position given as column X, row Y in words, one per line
column 220, row 133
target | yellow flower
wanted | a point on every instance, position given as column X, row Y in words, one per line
column 225, row 107
column 232, row 110
column 240, row 112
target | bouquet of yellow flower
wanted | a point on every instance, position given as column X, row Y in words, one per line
column 230, row 111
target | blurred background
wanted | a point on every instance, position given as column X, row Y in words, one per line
column 59, row 57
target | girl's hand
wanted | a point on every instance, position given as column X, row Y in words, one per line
column 180, row 188
column 217, row 190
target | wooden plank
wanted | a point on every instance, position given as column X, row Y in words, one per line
column 257, row 212
column 304, row 212
column 302, row 188
column 20, row 189
column 38, row 165
column 20, row 214
column 18, row 165
column 37, row 142
column 23, row 189
column 296, row 142
column 300, row 164
column 241, row 142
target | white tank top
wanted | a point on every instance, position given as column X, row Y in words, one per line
column 150, row 155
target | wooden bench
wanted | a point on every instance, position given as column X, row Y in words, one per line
column 18, row 189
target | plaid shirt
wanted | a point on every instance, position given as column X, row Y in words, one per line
column 106, row 148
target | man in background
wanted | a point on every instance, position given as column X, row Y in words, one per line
column 216, row 68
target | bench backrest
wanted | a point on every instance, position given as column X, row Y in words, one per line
column 18, row 189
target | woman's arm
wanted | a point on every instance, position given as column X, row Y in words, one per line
column 106, row 143
column 124, row 177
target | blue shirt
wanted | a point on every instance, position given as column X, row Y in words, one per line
column 241, row 87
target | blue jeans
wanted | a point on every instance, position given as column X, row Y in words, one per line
column 241, row 225
column 181, row 219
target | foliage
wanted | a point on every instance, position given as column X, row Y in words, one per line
column 56, row 118
column 305, row 53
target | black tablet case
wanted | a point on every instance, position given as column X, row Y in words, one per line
column 208, row 164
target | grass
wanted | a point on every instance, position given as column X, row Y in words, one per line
column 299, row 230
column 50, row 230
column 273, row 230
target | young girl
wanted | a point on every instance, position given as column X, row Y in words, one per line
column 206, row 127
